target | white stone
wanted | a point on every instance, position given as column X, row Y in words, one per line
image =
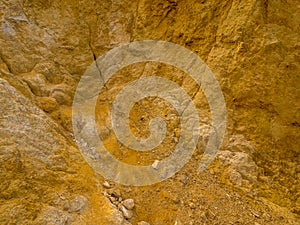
column 126, row 213
column 128, row 203
column 155, row 164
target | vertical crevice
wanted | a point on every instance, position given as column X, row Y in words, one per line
column 95, row 56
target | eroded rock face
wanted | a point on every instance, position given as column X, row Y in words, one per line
column 43, row 178
column 239, row 168
column 251, row 46
column 236, row 167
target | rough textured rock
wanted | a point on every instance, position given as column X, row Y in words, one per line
column 43, row 179
column 128, row 203
column 252, row 47
column 236, row 167
column 239, row 169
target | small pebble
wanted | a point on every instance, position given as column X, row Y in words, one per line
column 143, row 223
column 183, row 179
column 110, row 191
column 106, row 184
column 128, row 203
column 105, row 193
column 117, row 193
column 112, row 199
column 192, row 205
column 127, row 190
column 114, row 192
column 155, row 164
column 126, row 213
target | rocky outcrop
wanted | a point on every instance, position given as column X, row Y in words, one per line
column 251, row 46
column 43, row 178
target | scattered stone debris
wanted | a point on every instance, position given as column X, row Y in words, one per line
column 115, row 197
